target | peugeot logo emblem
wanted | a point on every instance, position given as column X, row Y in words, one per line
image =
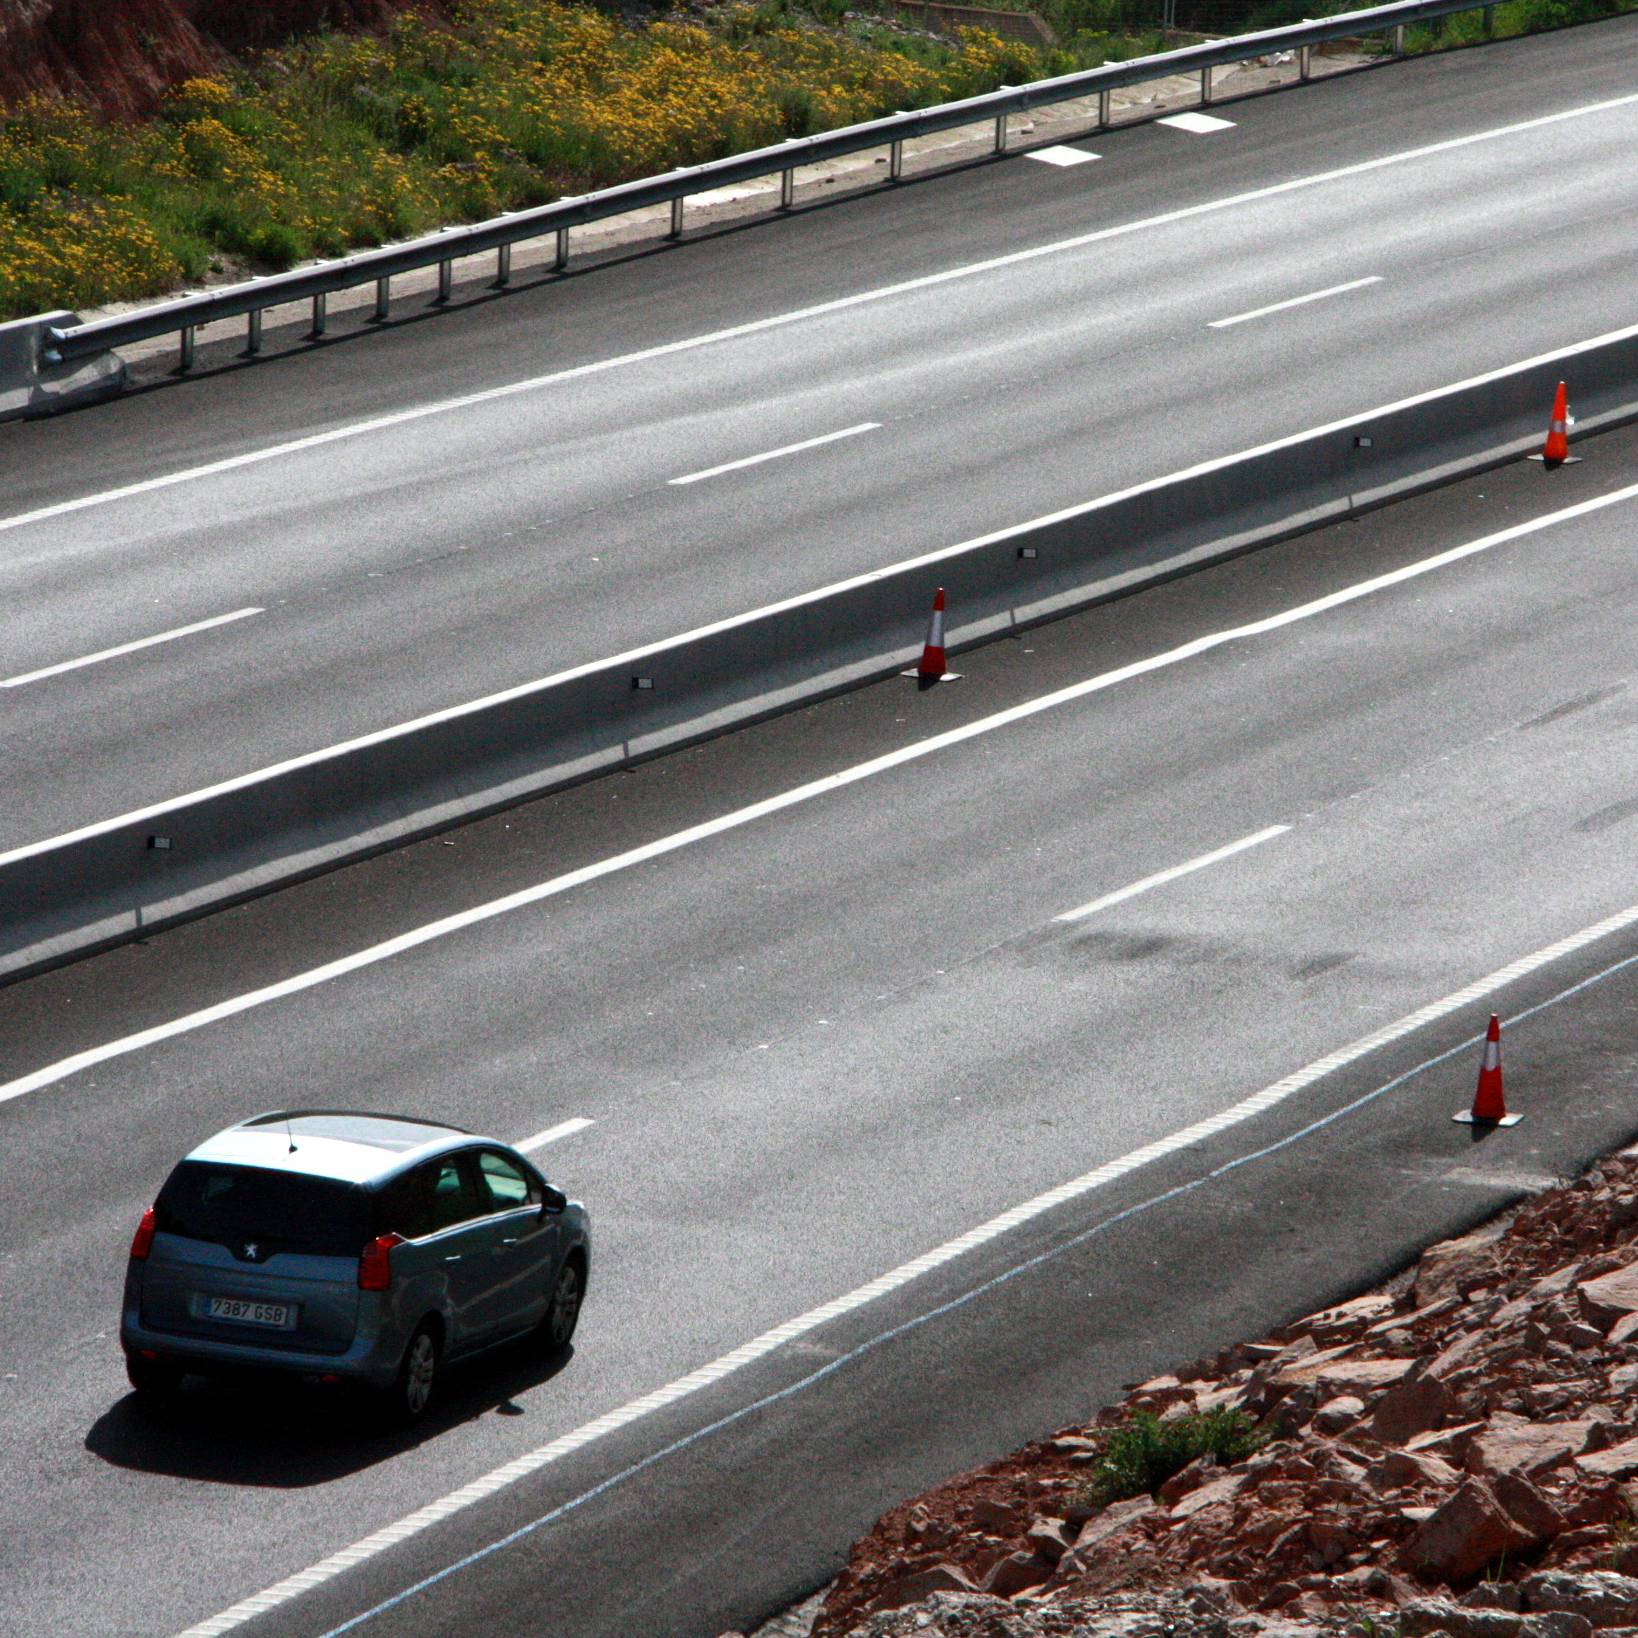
column 250, row 1251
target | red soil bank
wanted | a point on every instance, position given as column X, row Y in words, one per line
column 120, row 56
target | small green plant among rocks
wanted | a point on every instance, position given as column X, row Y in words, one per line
column 1143, row 1453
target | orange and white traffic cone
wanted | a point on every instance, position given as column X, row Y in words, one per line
column 1489, row 1106
column 1556, row 451
column 930, row 668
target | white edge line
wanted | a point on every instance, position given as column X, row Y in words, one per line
column 1295, row 301
column 759, row 1347
column 941, row 554
column 775, row 454
column 839, row 304
column 1161, row 877
column 430, row 931
column 756, row 326
column 552, row 1133
column 127, row 648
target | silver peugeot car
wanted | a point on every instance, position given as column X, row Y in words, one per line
column 348, row 1247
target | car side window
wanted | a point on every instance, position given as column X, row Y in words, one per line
column 449, row 1194
column 503, row 1184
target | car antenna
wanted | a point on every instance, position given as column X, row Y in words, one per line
column 289, row 1134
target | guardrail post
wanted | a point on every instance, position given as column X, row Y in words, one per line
column 561, row 261
column 1399, row 39
column 1305, row 62
column 1000, row 133
column 676, row 218
column 1103, row 109
column 446, row 276
column 320, row 316
column 253, row 333
column 382, row 298
column 787, row 189
column 185, row 360
column 503, row 266
column 1205, row 86
column 895, row 159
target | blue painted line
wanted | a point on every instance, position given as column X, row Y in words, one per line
column 932, row 1314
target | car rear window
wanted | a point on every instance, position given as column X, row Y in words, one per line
column 227, row 1204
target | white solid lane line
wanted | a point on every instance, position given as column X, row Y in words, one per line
column 552, row 1133
column 774, row 454
column 740, row 817
column 1197, row 124
column 126, row 648
column 1060, row 155
column 1161, row 877
column 942, row 554
column 840, row 304
column 635, row 1410
column 1295, row 301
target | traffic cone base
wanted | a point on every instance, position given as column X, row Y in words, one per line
column 1563, row 460
column 927, row 678
column 1468, row 1118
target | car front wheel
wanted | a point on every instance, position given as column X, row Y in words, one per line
column 557, row 1330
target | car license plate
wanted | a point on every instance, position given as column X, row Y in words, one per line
column 280, row 1314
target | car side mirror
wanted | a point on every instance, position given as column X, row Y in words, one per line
column 554, row 1202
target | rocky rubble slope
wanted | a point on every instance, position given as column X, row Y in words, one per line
column 120, row 56
column 1455, row 1453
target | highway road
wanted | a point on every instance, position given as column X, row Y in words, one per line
column 812, row 988
column 342, row 539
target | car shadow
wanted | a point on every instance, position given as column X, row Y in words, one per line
column 283, row 1434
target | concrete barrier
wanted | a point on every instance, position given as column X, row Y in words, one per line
column 30, row 384
column 142, row 871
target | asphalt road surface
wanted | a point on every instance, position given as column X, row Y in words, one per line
column 398, row 521
column 822, row 1027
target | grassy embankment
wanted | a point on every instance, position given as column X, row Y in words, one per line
column 344, row 141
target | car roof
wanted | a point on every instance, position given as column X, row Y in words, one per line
column 344, row 1144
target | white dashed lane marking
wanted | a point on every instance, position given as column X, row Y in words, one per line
column 775, row 454
column 1161, row 877
column 1295, row 301
column 552, row 1133
column 126, row 648
column 1061, row 155
column 1197, row 124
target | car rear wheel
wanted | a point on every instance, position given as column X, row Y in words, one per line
column 155, row 1380
column 563, row 1313
column 412, row 1390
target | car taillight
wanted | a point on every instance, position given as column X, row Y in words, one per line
column 375, row 1262
column 144, row 1236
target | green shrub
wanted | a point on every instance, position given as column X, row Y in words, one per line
column 1140, row 1456
column 798, row 113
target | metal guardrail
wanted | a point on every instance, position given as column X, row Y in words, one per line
column 442, row 250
